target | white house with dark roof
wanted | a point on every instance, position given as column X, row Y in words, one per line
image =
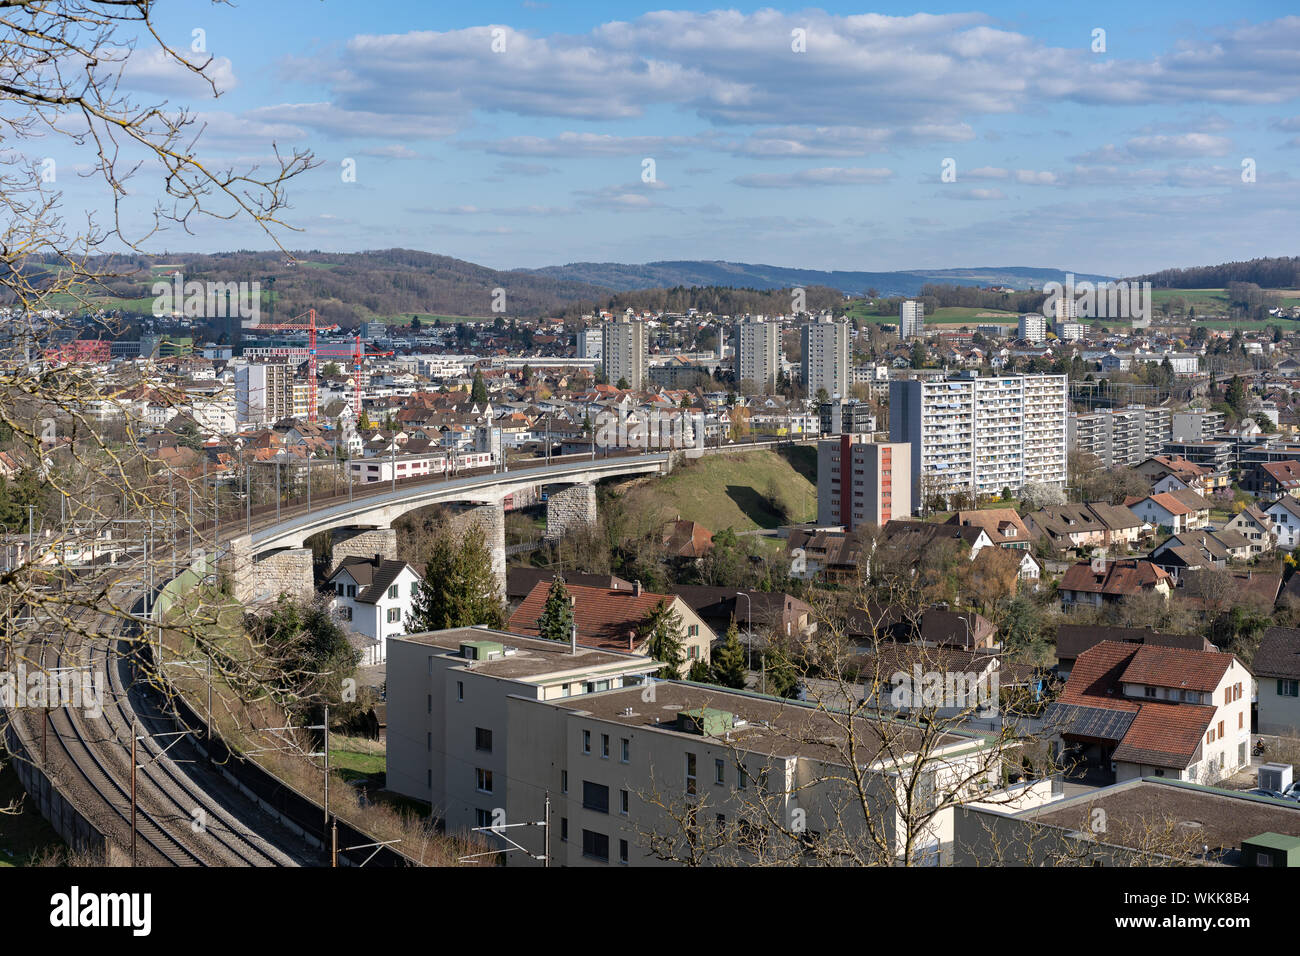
column 1277, row 667
column 372, row 599
column 1285, row 515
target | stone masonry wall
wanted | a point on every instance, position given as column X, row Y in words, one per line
column 350, row 543
column 571, row 508
column 492, row 519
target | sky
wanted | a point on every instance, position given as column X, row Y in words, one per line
column 1115, row 138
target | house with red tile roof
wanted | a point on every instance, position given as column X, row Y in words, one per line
column 1139, row 710
column 1094, row 583
column 617, row 618
column 1177, row 510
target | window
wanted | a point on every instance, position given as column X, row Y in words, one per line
column 428, row 703
column 483, row 739
column 1241, row 721
column 693, row 630
column 1209, row 738
column 428, row 742
column 352, row 590
column 690, row 773
column 626, row 750
column 586, row 741
column 1227, row 695
column 595, row 845
column 482, row 818
column 1221, row 733
column 484, row 780
column 595, row 796
column 719, row 771
column 623, row 801
column 564, row 829
column 345, row 614
column 415, row 589
column 622, row 851
column 460, row 690
column 742, row 778
column 1288, row 688
column 392, row 592
column 604, row 746
column 564, row 781
column 394, row 615
column 1151, row 691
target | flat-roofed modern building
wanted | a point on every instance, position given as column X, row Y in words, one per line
column 862, row 482
column 758, row 353
column 911, row 320
column 447, row 694
column 623, row 351
column 1121, row 436
column 825, row 346
column 981, row 435
column 629, row 771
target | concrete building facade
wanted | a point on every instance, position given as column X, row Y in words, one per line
column 862, row 482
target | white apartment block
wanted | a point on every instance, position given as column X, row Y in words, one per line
column 1070, row 331
column 911, row 320
column 623, row 351
column 825, row 363
column 263, row 394
column 1032, row 328
column 447, row 703
column 981, row 435
column 758, row 353
column 591, row 343
column 861, row 482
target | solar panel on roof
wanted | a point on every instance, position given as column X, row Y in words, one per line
column 1098, row 722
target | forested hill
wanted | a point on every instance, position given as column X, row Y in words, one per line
column 1280, row 273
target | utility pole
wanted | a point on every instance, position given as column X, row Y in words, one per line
column 326, row 723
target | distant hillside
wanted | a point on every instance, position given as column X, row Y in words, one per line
column 348, row 288
column 718, row 273
column 1279, row 273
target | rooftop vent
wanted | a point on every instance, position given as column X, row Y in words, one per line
column 705, row 721
column 481, row 650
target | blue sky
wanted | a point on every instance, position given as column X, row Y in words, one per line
column 1119, row 161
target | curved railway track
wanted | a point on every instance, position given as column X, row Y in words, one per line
column 181, row 818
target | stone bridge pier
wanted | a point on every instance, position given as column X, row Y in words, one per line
column 571, row 508
column 362, row 543
column 491, row 519
column 254, row 580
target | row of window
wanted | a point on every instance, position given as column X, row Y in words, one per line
column 625, row 746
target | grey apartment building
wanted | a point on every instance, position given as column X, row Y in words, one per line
column 1121, row 436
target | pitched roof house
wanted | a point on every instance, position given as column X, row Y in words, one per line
column 1092, row 583
column 1147, row 710
column 1277, row 666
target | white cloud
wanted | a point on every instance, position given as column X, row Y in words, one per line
column 825, row 176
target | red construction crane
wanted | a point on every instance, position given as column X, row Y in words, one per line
column 357, row 354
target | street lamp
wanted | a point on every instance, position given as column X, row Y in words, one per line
column 749, row 628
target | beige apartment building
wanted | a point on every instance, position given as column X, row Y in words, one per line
column 758, row 353
column 629, row 772
column 447, row 708
column 623, row 350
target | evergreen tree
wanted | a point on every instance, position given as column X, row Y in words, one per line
column 557, row 615
column 665, row 640
column 623, row 385
column 699, row 673
column 478, row 391
column 459, row 588
column 781, row 677
column 729, row 661
column 1236, row 395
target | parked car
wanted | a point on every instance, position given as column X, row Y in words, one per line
column 1261, row 792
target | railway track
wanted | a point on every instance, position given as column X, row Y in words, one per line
column 182, row 817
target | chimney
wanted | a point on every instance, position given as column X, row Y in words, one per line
column 573, row 638
column 379, row 559
column 636, row 588
column 631, row 640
